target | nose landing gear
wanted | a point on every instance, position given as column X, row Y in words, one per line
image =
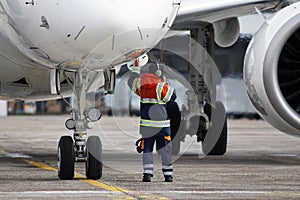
column 81, row 148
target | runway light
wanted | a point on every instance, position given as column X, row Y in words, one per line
column 94, row 114
column 70, row 124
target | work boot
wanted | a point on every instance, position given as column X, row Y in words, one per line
column 168, row 179
column 146, row 177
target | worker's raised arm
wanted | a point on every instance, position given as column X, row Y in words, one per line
column 134, row 80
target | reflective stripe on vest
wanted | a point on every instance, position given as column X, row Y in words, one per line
column 155, row 123
column 151, row 100
column 136, row 86
column 159, row 90
column 168, row 95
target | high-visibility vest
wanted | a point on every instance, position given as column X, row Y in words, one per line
column 152, row 89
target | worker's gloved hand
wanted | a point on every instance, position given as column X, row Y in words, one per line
column 139, row 145
column 136, row 67
column 137, row 63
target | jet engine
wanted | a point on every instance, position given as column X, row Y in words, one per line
column 272, row 70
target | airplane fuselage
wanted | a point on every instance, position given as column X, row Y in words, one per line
column 37, row 36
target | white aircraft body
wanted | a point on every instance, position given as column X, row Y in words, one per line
column 55, row 48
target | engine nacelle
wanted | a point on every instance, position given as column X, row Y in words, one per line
column 272, row 70
column 226, row 31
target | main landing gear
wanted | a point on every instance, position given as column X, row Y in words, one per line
column 204, row 116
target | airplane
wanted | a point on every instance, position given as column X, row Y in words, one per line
column 55, row 49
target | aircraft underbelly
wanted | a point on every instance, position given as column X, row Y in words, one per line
column 20, row 82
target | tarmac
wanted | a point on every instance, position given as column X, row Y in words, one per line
column 260, row 163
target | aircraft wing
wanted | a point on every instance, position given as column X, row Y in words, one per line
column 193, row 12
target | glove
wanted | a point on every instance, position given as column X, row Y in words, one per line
column 136, row 68
column 139, row 145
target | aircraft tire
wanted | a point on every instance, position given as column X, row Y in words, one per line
column 215, row 142
column 66, row 158
column 94, row 158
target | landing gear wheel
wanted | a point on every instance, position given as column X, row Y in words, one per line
column 94, row 158
column 66, row 158
column 215, row 142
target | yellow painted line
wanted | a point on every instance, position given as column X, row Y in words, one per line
column 78, row 176
column 89, row 181
column 153, row 197
column 112, row 188
column 40, row 165
column 100, row 184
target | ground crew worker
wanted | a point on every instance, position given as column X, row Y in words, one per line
column 154, row 123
